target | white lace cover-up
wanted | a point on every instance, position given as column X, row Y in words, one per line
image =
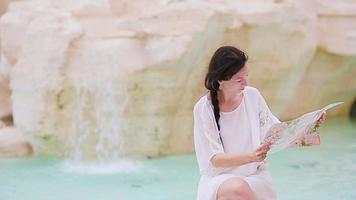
column 242, row 131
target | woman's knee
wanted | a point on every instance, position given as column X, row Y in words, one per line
column 235, row 188
column 240, row 188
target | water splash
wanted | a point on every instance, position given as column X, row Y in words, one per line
column 95, row 167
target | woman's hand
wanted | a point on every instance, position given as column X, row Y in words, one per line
column 321, row 119
column 227, row 160
column 260, row 153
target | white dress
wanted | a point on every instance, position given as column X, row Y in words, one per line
column 242, row 131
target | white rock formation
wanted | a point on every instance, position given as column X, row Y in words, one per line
column 67, row 56
column 5, row 92
column 13, row 143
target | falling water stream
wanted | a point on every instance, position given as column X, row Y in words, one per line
column 98, row 126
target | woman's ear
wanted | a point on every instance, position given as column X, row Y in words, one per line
column 220, row 84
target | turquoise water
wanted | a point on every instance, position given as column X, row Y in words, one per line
column 324, row 172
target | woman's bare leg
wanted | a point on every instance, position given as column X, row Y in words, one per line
column 235, row 189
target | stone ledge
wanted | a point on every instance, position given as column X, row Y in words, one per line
column 13, row 143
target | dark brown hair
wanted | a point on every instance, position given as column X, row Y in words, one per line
column 226, row 62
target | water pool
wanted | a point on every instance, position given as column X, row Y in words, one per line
column 324, row 172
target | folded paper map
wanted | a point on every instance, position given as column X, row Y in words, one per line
column 296, row 133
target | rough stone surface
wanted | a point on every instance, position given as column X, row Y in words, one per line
column 5, row 92
column 13, row 143
column 142, row 63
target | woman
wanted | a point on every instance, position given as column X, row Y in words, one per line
column 229, row 124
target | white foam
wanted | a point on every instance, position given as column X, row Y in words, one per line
column 97, row 167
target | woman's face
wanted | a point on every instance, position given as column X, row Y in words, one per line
column 238, row 81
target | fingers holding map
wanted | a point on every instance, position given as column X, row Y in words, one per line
column 299, row 132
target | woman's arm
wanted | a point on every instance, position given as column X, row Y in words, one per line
column 227, row 160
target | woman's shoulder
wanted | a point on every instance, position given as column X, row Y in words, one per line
column 203, row 101
column 251, row 90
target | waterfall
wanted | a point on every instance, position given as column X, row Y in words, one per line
column 96, row 138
